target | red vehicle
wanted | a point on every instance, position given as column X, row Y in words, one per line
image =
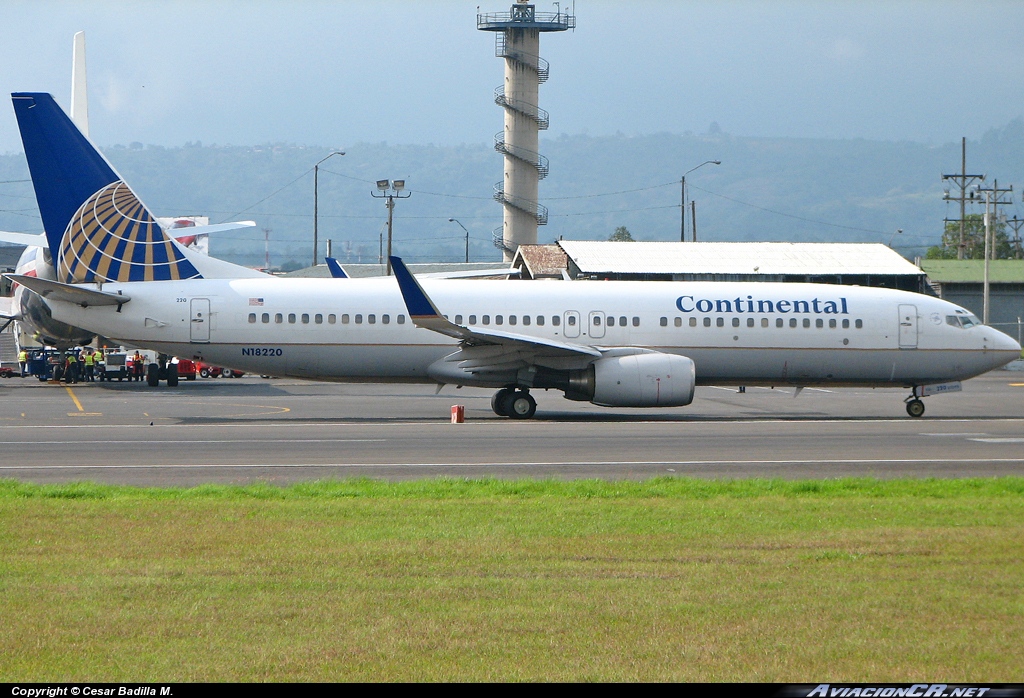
column 187, row 369
column 6, row 372
column 208, row 371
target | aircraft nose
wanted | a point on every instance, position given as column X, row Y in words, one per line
column 1005, row 345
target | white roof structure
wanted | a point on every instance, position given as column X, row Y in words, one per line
column 770, row 258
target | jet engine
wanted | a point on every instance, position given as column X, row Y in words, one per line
column 649, row 379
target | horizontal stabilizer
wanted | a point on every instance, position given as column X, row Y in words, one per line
column 216, row 228
column 26, row 239
column 56, row 291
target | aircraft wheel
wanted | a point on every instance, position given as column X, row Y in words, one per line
column 153, row 375
column 522, row 405
column 915, row 408
column 501, row 402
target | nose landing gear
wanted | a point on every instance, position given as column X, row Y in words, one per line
column 514, row 403
column 915, row 408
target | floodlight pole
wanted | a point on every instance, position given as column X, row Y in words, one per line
column 316, row 202
column 456, row 220
column 386, row 186
column 682, row 207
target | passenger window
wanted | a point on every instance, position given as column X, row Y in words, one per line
column 318, row 318
column 291, row 318
column 252, row 317
column 764, row 322
column 386, row 319
column 555, row 320
column 344, row 319
column 832, row 323
column 472, row 319
column 499, row 319
column 401, row 319
column 526, row 319
column 266, row 317
column 707, row 322
column 663, row 322
column 693, row 322
column 679, row 322
column 846, row 324
column 859, row 324
column 278, row 318
column 572, row 321
column 622, row 321
column 779, row 322
column 750, row 322
column 735, row 322
column 486, row 319
column 458, row 319
column 636, row 322
column 819, row 323
column 332, row 318
column 372, row 319
column 305, row 318
column 540, row 320
column 807, row 322
column 511, row 319
column 359, row 319
column 792, row 322
column 597, row 321
column 720, row 322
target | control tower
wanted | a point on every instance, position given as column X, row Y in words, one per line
column 517, row 40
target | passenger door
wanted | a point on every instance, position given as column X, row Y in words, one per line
column 199, row 326
column 596, row 324
column 571, row 324
column 908, row 327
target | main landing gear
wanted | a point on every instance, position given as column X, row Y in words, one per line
column 514, row 403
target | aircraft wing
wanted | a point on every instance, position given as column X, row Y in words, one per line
column 513, row 347
column 26, row 239
column 79, row 295
column 472, row 274
column 216, row 228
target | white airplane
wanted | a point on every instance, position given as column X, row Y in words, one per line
column 613, row 343
column 25, row 307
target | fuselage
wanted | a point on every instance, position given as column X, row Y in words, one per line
column 735, row 333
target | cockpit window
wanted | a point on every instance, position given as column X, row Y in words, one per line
column 964, row 320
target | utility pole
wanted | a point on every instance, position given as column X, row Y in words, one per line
column 693, row 218
column 993, row 198
column 1016, row 224
column 385, row 186
column 962, row 181
column 266, row 250
column 682, row 203
column 316, row 203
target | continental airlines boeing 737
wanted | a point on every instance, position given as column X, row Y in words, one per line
column 613, row 343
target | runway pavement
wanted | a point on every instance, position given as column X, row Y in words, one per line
column 282, row 430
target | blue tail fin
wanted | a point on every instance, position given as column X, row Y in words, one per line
column 337, row 271
column 97, row 228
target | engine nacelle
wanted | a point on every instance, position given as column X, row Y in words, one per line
column 650, row 379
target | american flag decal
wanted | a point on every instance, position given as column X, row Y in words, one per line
column 255, row 301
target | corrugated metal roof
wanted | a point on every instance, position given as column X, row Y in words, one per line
column 1000, row 271
column 793, row 258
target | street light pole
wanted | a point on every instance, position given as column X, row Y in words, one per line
column 682, row 206
column 316, row 204
column 456, row 220
column 385, row 186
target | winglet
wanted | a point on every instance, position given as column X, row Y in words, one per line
column 421, row 309
column 335, row 268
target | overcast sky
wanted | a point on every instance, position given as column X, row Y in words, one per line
column 339, row 73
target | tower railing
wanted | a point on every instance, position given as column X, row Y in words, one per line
column 535, row 63
column 532, row 111
column 538, row 211
column 539, row 162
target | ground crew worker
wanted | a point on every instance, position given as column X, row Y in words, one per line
column 138, row 363
column 23, row 360
column 90, row 363
column 101, row 363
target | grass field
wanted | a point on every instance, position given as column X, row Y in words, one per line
column 669, row 579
